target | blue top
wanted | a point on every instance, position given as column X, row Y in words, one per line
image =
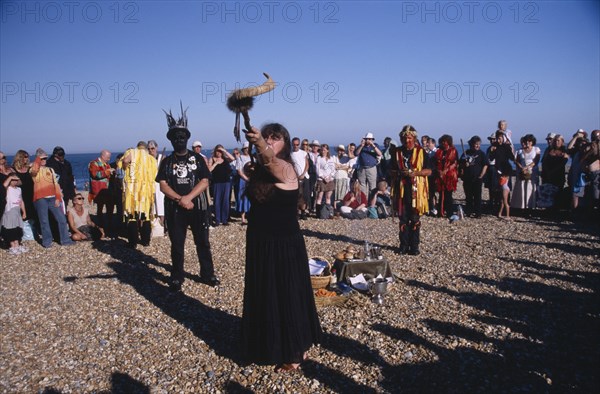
column 367, row 157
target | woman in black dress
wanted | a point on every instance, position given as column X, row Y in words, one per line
column 280, row 321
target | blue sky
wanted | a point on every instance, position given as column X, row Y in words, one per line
column 90, row 75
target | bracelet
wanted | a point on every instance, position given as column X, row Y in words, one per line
column 264, row 150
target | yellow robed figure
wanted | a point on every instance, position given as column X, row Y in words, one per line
column 138, row 183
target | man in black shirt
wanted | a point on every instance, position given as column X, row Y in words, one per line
column 473, row 166
column 183, row 178
column 64, row 173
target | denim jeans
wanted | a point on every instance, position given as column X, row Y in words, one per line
column 42, row 206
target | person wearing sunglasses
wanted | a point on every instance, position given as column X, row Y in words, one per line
column 81, row 224
column 47, row 198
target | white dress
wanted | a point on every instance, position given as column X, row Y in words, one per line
column 159, row 197
column 524, row 192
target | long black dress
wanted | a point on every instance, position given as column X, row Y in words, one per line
column 280, row 320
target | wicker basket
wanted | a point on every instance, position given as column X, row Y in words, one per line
column 320, row 282
column 329, row 301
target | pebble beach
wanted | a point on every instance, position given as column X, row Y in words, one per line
column 489, row 305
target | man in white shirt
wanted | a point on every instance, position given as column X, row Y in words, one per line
column 300, row 158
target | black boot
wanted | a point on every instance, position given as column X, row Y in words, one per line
column 415, row 238
column 132, row 233
column 403, row 235
column 146, row 232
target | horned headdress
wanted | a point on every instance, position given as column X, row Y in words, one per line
column 177, row 124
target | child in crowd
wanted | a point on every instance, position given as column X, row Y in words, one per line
column 14, row 213
column 505, row 190
column 380, row 201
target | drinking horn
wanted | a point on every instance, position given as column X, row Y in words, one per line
column 241, row 101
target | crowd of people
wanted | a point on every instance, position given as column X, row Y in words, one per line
column 354, row 182
column 283, row 181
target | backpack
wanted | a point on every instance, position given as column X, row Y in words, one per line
column 326, row 211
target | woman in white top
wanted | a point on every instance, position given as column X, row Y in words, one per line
column 526, row 160
column 325, row 175
column 342, row 169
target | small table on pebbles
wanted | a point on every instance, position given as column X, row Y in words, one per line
column 369, row 268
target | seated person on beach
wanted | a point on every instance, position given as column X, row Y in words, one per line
column 80, row 223
column 354, row 203
column 380, row 201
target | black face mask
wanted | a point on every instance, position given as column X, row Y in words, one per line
column 179, row 141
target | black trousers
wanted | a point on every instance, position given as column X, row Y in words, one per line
column 473, row 189
column 138, row 228
column 410, row 226
column 178, row 220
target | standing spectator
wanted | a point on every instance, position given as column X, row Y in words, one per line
column 159, row 197
column 4, row 173
column 197, row 148
column 501, row 152
column 368, row 156
column 64, row 172
column 47, row 197
column 491, row 180
column 526, row 160
column 183, row 178
column 115, row 185
column 100, row 174
column 325, row 184
column 235, row 177
column 575, row 149
column 553, row 172
column 590, row 162
column 430, row 149
column 242, row 201
column 549, row 140
column 301, row 164
column 313, row 154
column 384, row 163
column 352, row 161
column 410, row 169
column 219, row 167
column 446, row 174
column 342, row 170
column 14, row 214
column 138, row 193
column 279, row 318
column 21, row 167
column 473, row 166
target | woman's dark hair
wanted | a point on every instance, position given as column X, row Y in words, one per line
column 446, row 138
column 475, row 139
column 262, row 184
column 528, row 137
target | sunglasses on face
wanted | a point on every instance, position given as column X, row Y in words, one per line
column 78, row 198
